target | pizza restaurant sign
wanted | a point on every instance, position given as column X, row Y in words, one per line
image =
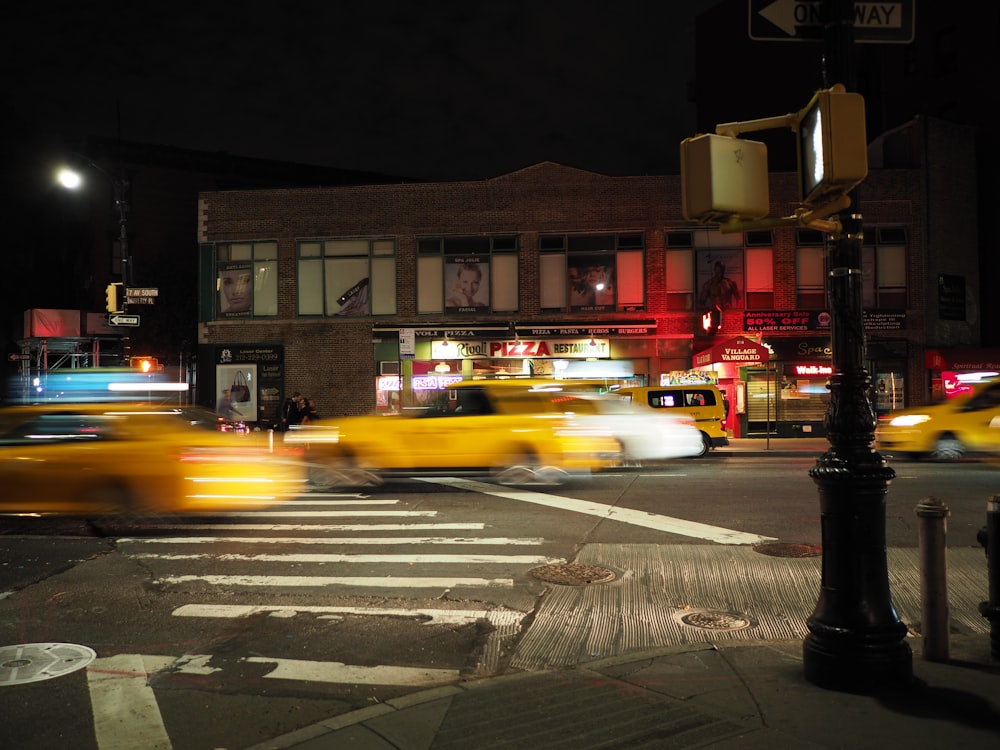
column 521, row 349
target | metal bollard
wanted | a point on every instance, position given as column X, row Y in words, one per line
column 933, row 530
column 989, row 537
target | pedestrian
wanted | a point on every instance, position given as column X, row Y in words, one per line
column 310, row 413
column 225, row 409
column 290, row 413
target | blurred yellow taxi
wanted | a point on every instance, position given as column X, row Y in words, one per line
column 100, row 458
column 509, row 430
column 964, row 424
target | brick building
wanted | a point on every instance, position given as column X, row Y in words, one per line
column 351, row 298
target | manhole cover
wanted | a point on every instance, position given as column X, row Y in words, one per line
column 34, row 662
column 782, row 549
column 715, row 620
column 571, row 574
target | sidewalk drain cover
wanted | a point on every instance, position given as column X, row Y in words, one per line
column 783, row 549
column 572, row 574
column 715, row 621
column 34, row 662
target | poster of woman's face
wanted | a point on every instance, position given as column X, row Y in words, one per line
column 591, row 283
column 235, row 289
column 467, row 284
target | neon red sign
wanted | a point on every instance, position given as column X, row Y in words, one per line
column 816, row 370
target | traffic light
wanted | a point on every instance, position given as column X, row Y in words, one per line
column 711, row 320
column 723, row 177
column 832, row 145
column 115, row 294
column 145, row 364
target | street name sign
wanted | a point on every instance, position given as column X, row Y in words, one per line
column 799, row 21
column 131, row 292
column 123, row 320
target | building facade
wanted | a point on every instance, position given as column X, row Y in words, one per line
column 374, row 297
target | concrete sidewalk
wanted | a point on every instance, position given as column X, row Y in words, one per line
column 587, row 673
column 736, row 696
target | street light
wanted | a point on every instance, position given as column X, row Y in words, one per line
column 72, row 179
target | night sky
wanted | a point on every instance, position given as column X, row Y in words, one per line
column 465, row 91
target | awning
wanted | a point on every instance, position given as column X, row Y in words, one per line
column 740, row 350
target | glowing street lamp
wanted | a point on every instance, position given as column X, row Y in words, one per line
column 72, row 180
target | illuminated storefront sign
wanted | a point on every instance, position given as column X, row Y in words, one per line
column 521, row 349
column 813, row 370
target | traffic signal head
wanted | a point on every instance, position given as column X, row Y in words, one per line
column 832, row 145
column 711, row 320
column 115, row 297
column 145, row 364
column 723, row 177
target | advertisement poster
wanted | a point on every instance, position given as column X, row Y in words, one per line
column 355, row 300
column 467, row 284
column 236, row 392
column 591, row 283
column 719, row 277
column 235, row 289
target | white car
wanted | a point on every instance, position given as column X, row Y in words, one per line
column 644, row 435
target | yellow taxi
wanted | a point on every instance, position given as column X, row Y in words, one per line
column 510, row 430
column 968, row 423
column 112, row 458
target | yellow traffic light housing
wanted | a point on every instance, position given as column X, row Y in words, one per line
column 722, row 178
column 832, row 145
column 115, row 296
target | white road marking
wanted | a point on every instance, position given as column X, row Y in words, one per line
column 338, row 672
column 610, row 512
column 126, row 715
column 330, row 540
column 334, row 513
column 498, row 617
column 348, row 558
column 373, row 581
column 323, row 526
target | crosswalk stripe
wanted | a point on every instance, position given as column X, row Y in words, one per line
column 324, row 526
column 330, row 540
column 373, row 581
column 499, row 618
column 337, row 672
column 126, row 715
column 349, row 558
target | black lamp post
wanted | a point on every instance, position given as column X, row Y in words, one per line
column 856, row 641
column 120, row 185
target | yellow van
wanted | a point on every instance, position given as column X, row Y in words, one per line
column 703, row 403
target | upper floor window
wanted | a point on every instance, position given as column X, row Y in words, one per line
column 592, row 273
column 810, row 269
column 347, row 277
column 246, row 279
column 463, row 275
column 883, row 268
column 706, row 268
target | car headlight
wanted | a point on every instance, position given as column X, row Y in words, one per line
column 909, row 420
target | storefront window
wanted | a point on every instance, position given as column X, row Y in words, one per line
column 463, row 275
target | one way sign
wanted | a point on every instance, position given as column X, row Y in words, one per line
column 117, row 319
column 799, row 21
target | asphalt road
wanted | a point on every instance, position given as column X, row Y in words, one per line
column 222, row 631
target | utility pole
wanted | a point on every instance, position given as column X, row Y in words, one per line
column 856, row 640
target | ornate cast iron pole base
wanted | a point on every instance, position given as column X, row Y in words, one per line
column 856, row 641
